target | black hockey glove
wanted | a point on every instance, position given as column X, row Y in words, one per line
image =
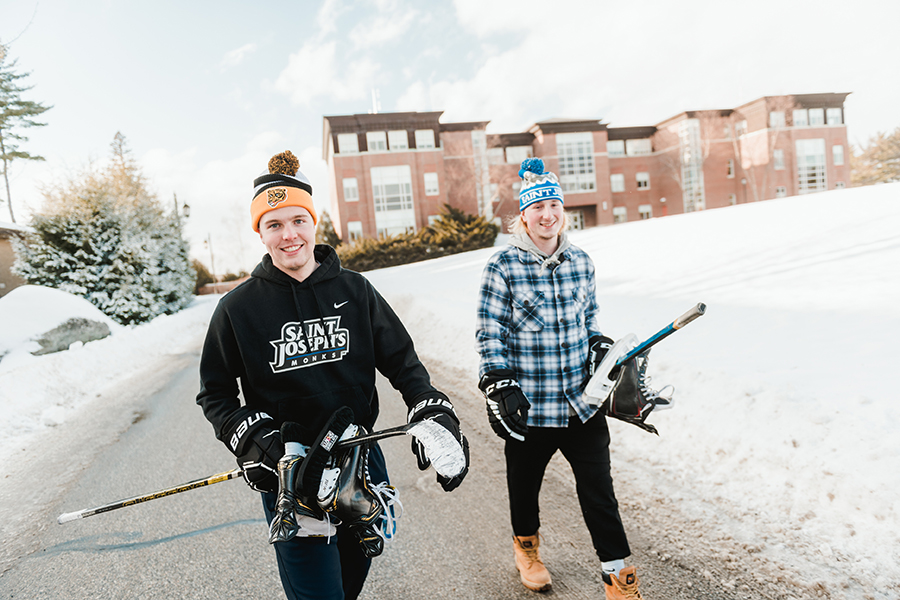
column 437, row 406
column 598, row 346
column 256, row 443
column 507, row 406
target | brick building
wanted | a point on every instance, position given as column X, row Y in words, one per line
column 392, row 172
column 9, row 281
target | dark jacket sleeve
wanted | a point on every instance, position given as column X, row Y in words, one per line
column 395, row 354
column 220, row 368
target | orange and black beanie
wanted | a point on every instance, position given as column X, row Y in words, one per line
column 283, row 185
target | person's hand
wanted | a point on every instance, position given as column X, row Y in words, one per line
column 258, row 448
column 507, row 406
column 437, row 407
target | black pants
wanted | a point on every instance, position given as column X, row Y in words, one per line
column 586, row 447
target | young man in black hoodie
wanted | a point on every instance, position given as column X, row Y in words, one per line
column 300, row 339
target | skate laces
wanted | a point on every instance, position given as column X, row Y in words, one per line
column 389, row 499
column 662, row 398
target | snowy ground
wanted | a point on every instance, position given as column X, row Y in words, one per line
column 786, row 413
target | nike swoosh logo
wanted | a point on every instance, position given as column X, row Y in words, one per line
column 336, row 305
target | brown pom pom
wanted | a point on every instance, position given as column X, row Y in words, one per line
column 285, row 164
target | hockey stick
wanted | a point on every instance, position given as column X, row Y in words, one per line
column 603, row 380
column 423, row 430
column 695, row 313
column 89, row 512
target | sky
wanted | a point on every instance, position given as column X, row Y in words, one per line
column 205, row 92
column 783, row 431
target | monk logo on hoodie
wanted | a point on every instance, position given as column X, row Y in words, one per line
column 309, row 343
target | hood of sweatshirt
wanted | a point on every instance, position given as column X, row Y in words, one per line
column 524, row 242
column 329, row 268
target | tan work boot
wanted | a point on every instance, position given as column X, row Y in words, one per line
column 623, row 587
column 532, row 571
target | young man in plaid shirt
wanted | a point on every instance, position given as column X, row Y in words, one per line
column 539, row 340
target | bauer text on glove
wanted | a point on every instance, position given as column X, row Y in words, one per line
column 256, row 443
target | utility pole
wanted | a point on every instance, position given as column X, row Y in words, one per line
column 212, row 263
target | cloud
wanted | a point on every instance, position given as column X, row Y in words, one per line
column 236, row 56
column 219, row 192
column 328, row 15
column 383, row 29
column 314, row 71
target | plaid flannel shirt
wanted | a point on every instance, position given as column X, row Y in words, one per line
column 538, row 324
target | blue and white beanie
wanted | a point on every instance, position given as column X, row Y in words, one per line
column 537, row 185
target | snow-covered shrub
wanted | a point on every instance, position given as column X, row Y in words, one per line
column 104, row 236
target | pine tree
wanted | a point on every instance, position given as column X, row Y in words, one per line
column 104, row 237
column 15, row 114
column 325, row 233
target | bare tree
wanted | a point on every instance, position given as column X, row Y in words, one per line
column 754, row 151
column 683, row 147
column 879, row 161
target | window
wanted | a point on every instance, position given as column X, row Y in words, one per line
column 424, row 139
column 838, row 185
column 495, row 156
column 516, row 154
column 398, row 140
column 732, row 199
column 837, row 155
column 811, row 166
column 780, row 191
column 800, row 119
column 354, row 230
column 347, row 142
column 816, row 117
column 643, row 181
column 576, row 219
column 431, row 184
column 617, row 183
column 729, row 170
column 776, row 118
column 645, row 211
column 576, row 162
column 393, row 199
column 615, row 147
column 375, row 141
column 833, row 116
column 620, row 214
column 740, row 128
column 778, row 159
column 638, row 147
column 432, row 219
column 351, row 190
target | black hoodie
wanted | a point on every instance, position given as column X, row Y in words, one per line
column 301, row 350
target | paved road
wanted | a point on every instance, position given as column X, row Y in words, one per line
column 211, row 542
